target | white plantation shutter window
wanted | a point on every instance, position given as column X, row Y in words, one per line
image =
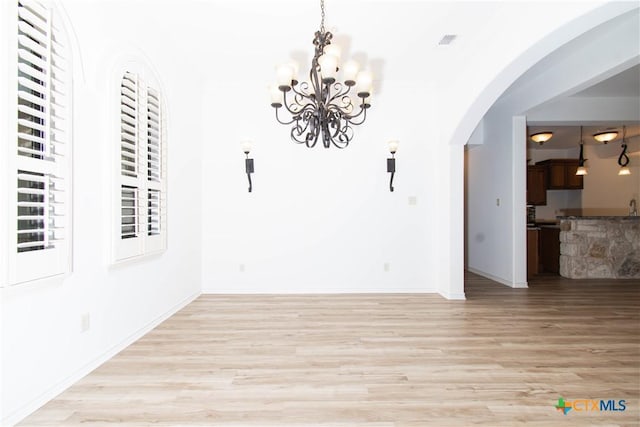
column 40, row 158
column 153, row 136
column 141, row 188
column 129, row 122
column 129, row 215
column 154, row 221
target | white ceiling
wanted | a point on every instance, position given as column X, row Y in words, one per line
column 624, row 84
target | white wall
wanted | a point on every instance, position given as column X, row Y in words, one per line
column 490, row 200
column 43, row 350
column 318, row 220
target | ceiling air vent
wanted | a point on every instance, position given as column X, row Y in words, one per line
column 447, row 39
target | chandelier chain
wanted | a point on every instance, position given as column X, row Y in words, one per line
column 322, row 16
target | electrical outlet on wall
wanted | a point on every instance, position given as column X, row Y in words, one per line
column 85, row 322
column 242, row 268
column 387, row 266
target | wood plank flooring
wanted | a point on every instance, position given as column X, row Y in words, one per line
column 501, row 358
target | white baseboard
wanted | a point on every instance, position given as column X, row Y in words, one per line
column 30, row 407
column 509, row 283
column 315, row 291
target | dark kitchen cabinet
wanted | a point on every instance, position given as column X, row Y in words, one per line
column 536, row 185
column 561, row 174
column 532, row 252
column 550, row 249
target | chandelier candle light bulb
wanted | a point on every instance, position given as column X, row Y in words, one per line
column 285, row 77
column 364, row 81
column 328, row 68
column 295, row 69
column 333, row 50
column 350, row 71
column 276, row 96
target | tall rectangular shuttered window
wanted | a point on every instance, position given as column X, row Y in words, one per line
column 141, row 192
column 39, row 175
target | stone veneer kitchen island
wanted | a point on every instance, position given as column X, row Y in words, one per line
column 600, row 247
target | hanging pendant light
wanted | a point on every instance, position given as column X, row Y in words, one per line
column 582, row 170
column 323, row 108
column 623, row 160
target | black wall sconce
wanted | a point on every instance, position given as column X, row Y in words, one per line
column 248, row 163
column 391, row 163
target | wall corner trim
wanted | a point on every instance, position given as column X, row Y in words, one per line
column 453, row 296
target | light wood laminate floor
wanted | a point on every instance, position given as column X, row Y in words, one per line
column 501, row 358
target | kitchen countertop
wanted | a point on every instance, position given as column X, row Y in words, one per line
column 620, row 217
column 550, row 226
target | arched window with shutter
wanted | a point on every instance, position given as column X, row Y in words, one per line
column 140, row 194
column 39, row 189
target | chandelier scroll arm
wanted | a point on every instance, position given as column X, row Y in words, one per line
column 294, row 138
column 310, row 140
column 343, row 133
column 287, row 105
column 340, row 92
column 342, row 141
column 358, row 114
column 280, row 121
column 363, row 112
column 304, row 90
column 307, row 108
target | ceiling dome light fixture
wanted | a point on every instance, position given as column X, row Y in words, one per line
column 582, row 170
column 606, row 136
column 541, row 137
column 323, row 106
column 623, row 160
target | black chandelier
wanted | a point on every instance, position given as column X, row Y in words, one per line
column 323, row 106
